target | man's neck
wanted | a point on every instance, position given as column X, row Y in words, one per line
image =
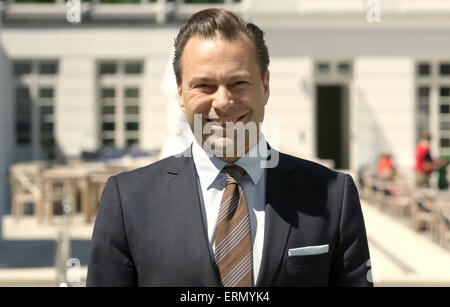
column 232, row 158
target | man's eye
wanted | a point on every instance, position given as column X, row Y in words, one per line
column 237, row 83
column 203, row 86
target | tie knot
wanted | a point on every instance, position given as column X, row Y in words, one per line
column 234, row 173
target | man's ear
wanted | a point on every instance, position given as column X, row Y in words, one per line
column 180, row 97
column 266, row 86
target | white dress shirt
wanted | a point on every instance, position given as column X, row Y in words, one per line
column 212, row 184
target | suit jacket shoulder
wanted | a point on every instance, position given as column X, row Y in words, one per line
column 314, row 179
column 310, row 168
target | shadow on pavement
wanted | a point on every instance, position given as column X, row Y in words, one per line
column 28, row 254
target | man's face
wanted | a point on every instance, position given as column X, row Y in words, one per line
column 221, row 81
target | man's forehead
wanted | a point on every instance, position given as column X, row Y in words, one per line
column 211, row 42
column 239, row 35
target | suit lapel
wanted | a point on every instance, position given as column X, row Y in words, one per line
column 185, row 201
column 278, row 218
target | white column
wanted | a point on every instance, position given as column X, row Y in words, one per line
column 246, row 7
column 179, row 134
column 161, row 11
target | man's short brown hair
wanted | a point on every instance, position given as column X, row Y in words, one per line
column 211, row 22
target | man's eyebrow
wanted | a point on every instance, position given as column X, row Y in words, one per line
column 197, row 80
column 239, row 75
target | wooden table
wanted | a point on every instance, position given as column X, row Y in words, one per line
column 72, row 178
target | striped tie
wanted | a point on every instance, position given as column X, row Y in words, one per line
column 233, row 251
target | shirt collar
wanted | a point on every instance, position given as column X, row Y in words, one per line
column 209, row 167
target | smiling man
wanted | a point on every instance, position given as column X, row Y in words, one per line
column 215, row 215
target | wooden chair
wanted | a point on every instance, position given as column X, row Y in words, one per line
column 367, row 188
column 81, row 172
column 400, row 196
column 442, row 224
column 422, row 215
column 56, row 190
column 400, row 204
column 26, row 188
column 380, row 197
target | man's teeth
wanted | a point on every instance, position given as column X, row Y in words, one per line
column 224, row 122
column 227, row 121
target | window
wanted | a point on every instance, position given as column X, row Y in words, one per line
column 131, row 126
column 445, row 92
column 422, row 110
column 131, row 109
column 423, row 69
column 107, row 110
column 333, row 69
column 445, row 125
column 34, row 99
column 444, row 118
column 133, row 68
column 131, row 93
column 46, row 103
column 444, row 69
column 48, row 68
column 107, row 93
column 120, row 83
column 344, row 68
column 108, row 68
column 109, row 126
column 323, row 67
column 22, row 68
column 108, row 102
column 23, row 116
column 433, row 95
column 46, row 93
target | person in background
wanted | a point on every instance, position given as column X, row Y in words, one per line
column 425, row 164
column 385, row 167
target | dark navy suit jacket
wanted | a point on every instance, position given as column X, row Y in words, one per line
column 149, row 230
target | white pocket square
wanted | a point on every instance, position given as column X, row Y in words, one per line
column 308, row 250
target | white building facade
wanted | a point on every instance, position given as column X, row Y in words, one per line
column 347, row 82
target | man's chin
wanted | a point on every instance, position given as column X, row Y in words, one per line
column 224, row 147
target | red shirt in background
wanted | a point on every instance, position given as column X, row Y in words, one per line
column 384, row 164
column 422, row 155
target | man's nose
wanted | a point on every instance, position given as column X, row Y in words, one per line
column 223, row 99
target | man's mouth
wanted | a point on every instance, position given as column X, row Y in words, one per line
column 223, row 121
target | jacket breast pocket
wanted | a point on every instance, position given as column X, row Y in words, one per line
column 293, row 261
